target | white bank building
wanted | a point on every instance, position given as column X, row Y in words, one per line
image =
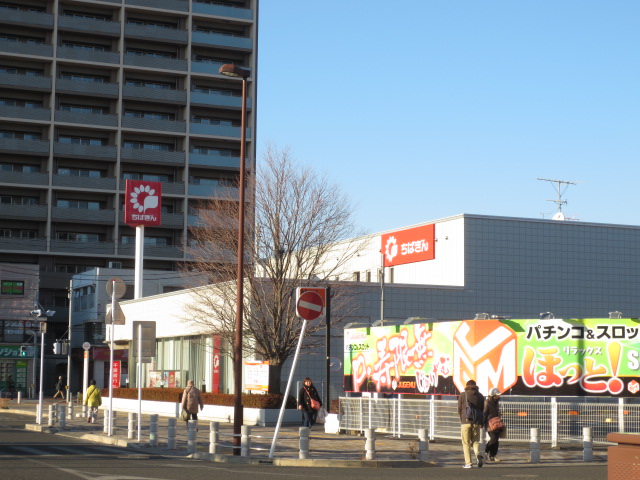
column 459, row 266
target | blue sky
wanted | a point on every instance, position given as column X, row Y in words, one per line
column 424, row 109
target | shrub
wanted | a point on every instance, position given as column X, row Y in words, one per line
column 225, row 399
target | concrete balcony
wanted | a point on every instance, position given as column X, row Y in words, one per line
column 26, row 49
column 88, row 25
column 225, row 193
column 152, row 156
column 217, row 130
column 176, row 5
column 105, row 90
column 89, row 183
column 24, row 147
column 23, row 212
column 88, row 152
column 16, row 245
column 222, row 11
column 25, row 82
column 218, row 40
column 81, row 215
column 27, row 19
column 217, row 100
column 130, row 92
column 93, row 119
column 165, row 35
column 154, row 62
column 71, row 53
column 154, row 124
column 83, row 248
column 168, row 188
column 42, row 114
column 151, row 251
column 214, row 161
column 20, row 178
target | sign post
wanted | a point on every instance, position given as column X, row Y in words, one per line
column 310, row 305
column 143, row 350
column 85, row 372
column 116, row 288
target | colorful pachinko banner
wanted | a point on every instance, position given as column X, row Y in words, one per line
column 573, row 357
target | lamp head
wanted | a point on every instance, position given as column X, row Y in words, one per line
column 36, row 313
column 231, row 70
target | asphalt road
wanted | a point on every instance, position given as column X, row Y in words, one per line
column 32, row 455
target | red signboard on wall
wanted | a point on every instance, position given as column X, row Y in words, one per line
column 143, row 203
column 215, row 385
column 408, row 246
column 115, row 379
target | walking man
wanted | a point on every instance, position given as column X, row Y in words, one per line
column 470, row 432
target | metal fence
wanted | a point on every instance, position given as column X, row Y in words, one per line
column 558, row 421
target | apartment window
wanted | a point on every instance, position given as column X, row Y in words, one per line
column 12, row 102
column 217, row 91
column 98, row 142
column 148, row 241
column 79, row 77
column 220, row 152
column 214, row 121
column 216, row 182
column 18, row 233
column 149, row 115
column 81, row 109
column 90, row 47
column 218, row 31
column 74, row 268
column 213, row 60
column 18, row 167
column 85, row 15
column 79, row 172
column 160, row 147
column 79, row 204
column 24, row 8
column 18, row 200
column 150, row 84
column 149, row 53
column 152, row 23
column 19, row 135
column 21, row 39
column 78, row 237
column 150, row 177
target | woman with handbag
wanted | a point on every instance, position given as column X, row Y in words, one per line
column 309, row 403
column 494, row 424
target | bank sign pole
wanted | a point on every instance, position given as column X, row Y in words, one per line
column 309, row 306
column 116, row 288
column 143, row 207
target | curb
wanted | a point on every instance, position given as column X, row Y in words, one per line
column 309, row 462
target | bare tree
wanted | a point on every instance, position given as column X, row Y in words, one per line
column 299, row 237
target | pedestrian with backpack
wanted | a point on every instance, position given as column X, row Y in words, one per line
column 470, row 410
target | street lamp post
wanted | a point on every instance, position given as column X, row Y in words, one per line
column 243, row 73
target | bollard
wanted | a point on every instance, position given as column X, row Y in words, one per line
column 52, row 416
column 113, row 422
column 106, row 420
column 19, row 397
column 304, row 443
column 587, row 443
column 192, row 425
column 153, row 430
column 171, row 433
column 535, row 446
column 131, row 425
column 245, row 441
column 85, row 411
column 423, row 445
column 62, row 416
column 214, row 437
column 70, row 414
column 370, row 444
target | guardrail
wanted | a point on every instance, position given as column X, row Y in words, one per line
column 558, row 422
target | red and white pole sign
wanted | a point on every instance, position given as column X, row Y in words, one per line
column 310, row 303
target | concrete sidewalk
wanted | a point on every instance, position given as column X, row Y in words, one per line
column 334, row 450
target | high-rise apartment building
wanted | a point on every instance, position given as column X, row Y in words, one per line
column 94, row 92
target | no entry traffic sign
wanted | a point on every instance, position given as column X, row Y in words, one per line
column 310, row 305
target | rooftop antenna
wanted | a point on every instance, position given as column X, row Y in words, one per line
column 560, row 187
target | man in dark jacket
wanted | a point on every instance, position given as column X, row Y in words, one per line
column 470, row 432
